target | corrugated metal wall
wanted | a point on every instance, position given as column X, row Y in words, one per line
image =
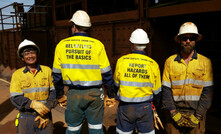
column 9, row 42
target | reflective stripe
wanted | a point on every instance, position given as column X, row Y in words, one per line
column 36, row 89
column 55, row 70
column 116, row 84
column 178, row 82
column 98, row 126
column 15, row 94
column 187, row 81
column 207, row 83
column 52, row 88
column 83, row 83
column 135, row 99
column 43, row 101
column 193, row 81
column 80, row 66
column 186, row 98
column 106, row 69
column 167, row 84
column 136, row 84
column 157, row 91
column 152, row 132
column 121, row 132
column 74, row 128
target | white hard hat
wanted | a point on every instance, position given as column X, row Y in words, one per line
column 139, row 36
column 26, row 43
column 188, row 28
column 81, row 18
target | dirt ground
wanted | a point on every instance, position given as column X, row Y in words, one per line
column 8, row 114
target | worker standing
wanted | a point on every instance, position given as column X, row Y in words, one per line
column 138, row 80
column 81, row 63
column 32, row 92
column 187, row 85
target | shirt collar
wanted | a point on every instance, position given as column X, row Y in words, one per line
column 139, row 52
column 80, row 34
column 178, row 58
column 27, row 69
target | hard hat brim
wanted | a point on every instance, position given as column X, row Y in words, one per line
column 177, row 37
column 18, row 52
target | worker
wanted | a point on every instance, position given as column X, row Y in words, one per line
column 187, row 85
column 32, row 92
column 81, row 63
column 137, row 79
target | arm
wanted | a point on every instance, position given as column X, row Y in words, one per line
column 207, row 93
column 117, row 77
column 108, row 83
column 16, row 95
column 106, row 73
column 20, row 102
column 52, row 101
column 157, row 86
column 167, row 95
column 56, row 73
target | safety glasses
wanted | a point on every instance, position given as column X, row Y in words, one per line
column 185, row 38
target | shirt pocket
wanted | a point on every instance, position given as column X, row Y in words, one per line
column 176, row 82
column 25, row 84
column 198, row 79
column 44, row 82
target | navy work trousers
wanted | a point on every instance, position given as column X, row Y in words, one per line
column 131, row 115
column 27, row 125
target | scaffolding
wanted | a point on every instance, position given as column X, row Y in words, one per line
column 19, row 19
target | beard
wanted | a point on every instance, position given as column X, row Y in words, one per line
column 187, row 48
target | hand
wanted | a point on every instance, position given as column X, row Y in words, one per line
column 39, row 107
column 179, row 119
column 62, row 101
column 193, row 121
column 109, row 102
column 43, row 121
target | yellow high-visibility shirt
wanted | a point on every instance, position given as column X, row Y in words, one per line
column 81, row 60
column 187, row 81
column 138, row 78
column 33, row 86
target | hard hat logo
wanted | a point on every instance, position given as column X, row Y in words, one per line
column 188, row 28
column 24, row 44
column 81, row 18
column 139, row 36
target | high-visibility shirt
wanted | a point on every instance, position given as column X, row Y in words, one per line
column 187, row 82
column 80, row 61
column 138, row 77
column 31, row 86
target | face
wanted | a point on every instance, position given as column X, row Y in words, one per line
column 187, row 43
column 29, row 56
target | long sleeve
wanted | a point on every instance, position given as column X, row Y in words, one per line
column 52, row 101
column 16, row 95
column 56, row 73
column 205, row 100
column 157, row 86
column 207, row 93
column 106, row 72
column 108, row 82
column 167, row 96
column 58, row 84
column 21, row 103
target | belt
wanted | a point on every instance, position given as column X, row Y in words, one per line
column 30, row 113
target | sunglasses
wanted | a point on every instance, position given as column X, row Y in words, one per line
column 193, row 38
